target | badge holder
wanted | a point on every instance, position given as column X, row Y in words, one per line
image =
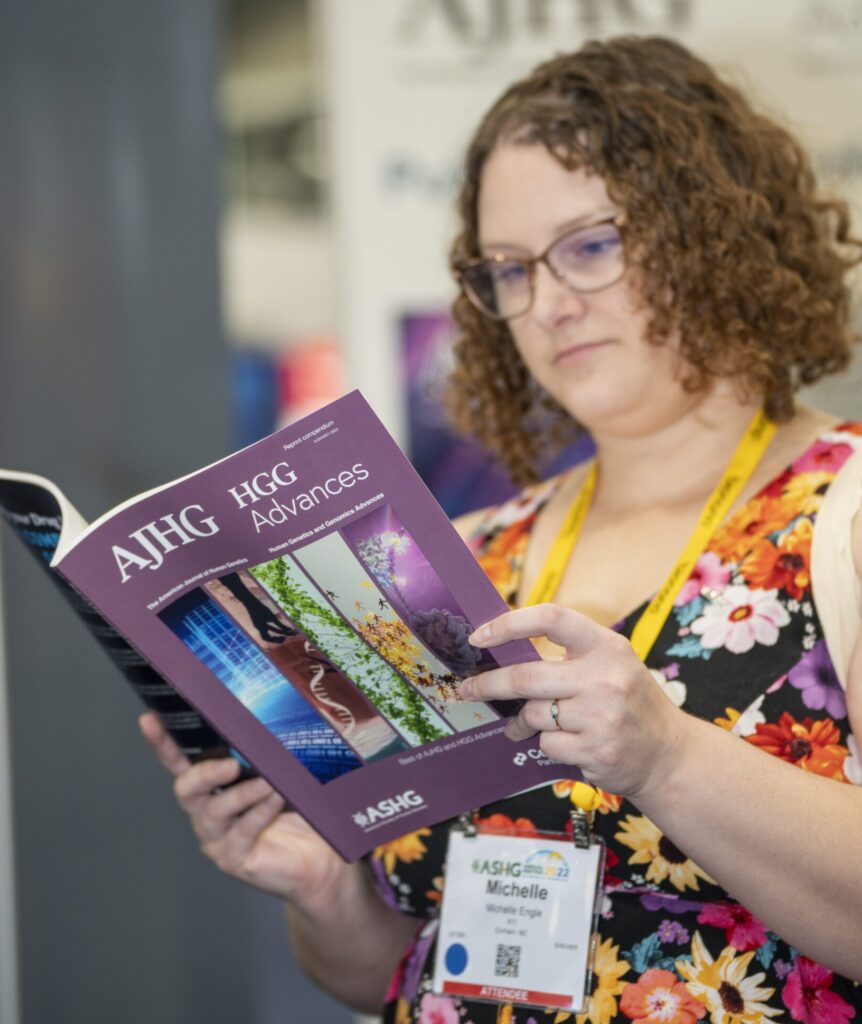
column 519, row 918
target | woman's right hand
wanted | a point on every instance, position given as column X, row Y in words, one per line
column 244, row 829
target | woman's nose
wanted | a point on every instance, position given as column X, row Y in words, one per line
column 553, row 300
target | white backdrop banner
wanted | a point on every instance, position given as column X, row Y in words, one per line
column 407, row 81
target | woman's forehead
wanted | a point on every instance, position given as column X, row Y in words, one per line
column 527, row 197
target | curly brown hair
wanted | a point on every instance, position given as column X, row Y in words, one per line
column 725, row 229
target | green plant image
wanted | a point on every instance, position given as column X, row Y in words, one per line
column 394, row 641
column 390, row 694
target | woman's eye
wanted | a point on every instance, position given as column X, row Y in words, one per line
column 598, row 246
column 588, row 248
column 509, row 273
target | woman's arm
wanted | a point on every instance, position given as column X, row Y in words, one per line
column 854, row 671
column 784, row 842
column 350, row 942
column 344, row 936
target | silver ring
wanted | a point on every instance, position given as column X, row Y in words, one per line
column 555, row 714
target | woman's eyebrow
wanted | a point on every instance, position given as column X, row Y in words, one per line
column 583, row 220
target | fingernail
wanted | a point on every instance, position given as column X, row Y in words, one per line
column 480, row 636
column 466, row 689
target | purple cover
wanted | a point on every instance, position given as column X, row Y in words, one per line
column 317, row 477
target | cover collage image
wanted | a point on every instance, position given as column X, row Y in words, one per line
column 348, row 650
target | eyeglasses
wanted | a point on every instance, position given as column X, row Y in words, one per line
column 585, row 260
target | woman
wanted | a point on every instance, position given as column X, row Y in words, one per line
column 644, row 256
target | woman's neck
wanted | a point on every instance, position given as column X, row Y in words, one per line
column 671, row 461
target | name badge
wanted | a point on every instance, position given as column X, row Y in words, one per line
column 518, row 919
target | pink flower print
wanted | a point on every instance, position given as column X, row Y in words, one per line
column 742, row 929
column 740, row 619
column 808, row 996
column 708, row 574
column 815, row 676
column 438, row 1010
column 822, row 457
column 410, row 972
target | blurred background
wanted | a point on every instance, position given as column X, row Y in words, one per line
column 216, row 215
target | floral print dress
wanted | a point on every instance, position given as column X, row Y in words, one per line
column 742, row 648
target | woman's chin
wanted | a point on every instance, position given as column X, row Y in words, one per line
column 595, row 407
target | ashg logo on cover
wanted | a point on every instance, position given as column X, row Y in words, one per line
column 391, row 807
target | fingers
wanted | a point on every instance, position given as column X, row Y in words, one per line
column 228, row 823
column 531, row 680
column 216, row 813
column 612, row 720
column 193, row 782
column 517, row 728
column 164, row 746
column 254, row 821
column 536, row 716
column 538, row 683
column 228, row 820
column 199, row 781
column 238, row 849
column 230, row 839
column 571, row 630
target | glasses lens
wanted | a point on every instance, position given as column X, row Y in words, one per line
column 590, row 258
column 499, row 288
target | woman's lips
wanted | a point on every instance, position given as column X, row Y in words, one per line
column 574, row 352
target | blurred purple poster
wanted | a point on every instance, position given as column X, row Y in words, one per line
column 460, row 474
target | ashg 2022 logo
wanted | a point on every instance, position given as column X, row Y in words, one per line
column 546, row 864
column 391, row 807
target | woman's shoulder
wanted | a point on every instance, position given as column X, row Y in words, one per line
column 521, row 507
column 810, row 426
column 811, row 442
column 499, row 535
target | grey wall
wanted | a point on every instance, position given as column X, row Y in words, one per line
column 841, row 395
column 9, row 1013
column 112, row 379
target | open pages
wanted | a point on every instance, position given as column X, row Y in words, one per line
column 41, row 515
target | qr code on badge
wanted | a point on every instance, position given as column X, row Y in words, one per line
column 507, row 961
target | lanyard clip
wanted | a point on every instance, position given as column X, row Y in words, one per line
column 582, row 827
column 467, row 824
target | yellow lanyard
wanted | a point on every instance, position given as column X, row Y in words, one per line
column 742, row 464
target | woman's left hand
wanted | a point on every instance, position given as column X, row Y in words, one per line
column 613, row 720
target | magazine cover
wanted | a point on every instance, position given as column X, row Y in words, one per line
column 309, row 597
